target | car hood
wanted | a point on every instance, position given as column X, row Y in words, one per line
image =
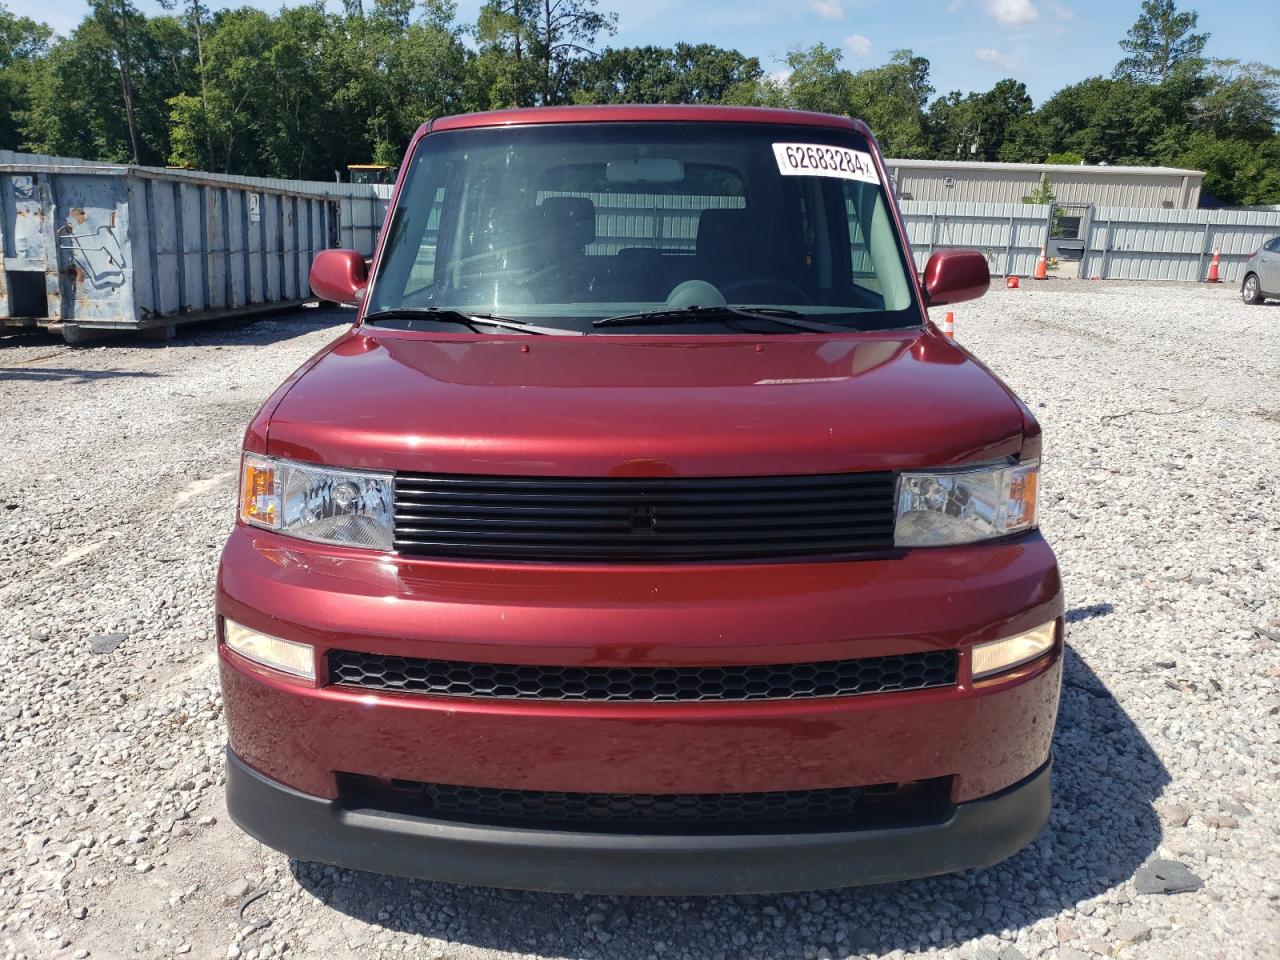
column 645, row 406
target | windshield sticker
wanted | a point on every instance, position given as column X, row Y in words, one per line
column 819, row 160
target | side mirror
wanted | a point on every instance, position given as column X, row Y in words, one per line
column 340, row 276
column 954, row 275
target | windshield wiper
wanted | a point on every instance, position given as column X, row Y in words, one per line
column 472, row 320
column 793, row 319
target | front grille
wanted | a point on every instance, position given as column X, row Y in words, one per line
column 504, row 681
column 846, row 807
column 628, row 519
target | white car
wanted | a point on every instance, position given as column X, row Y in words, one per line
column 1262, row 273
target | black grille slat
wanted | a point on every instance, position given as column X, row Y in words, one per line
column 643, row 519
column 608, row 485
column 818, row 533
column 789, row 681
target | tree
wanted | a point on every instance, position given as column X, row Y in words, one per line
column 976, row 127
column 685, row 73
column 23, row 42
column 195, row 13
column 1240, row 101
column 75, row 92
column 1160, row 40
column 120, row 21
column 1042, row 193
column 891, row 100
column 1235, row 171
column 532, row 51
column 1117, row 121
column 508, row 74
column 566, row 30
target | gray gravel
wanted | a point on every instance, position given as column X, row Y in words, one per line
column 1161, row 409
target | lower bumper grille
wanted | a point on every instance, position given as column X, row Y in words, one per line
column 839, row 807
column 787, row 681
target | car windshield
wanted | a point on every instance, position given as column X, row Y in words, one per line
column 571, row 223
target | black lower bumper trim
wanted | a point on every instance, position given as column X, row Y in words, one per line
column 979, row 833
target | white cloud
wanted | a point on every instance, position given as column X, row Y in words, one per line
column 827, row 9
column 996, row 58
column 954, row 6
column 858, row 45
column 1062, row 12
column 1012, row 13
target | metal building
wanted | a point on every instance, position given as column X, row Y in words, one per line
column 91, row 246
column 950, row 181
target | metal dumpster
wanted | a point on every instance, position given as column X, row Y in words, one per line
column 92, row 246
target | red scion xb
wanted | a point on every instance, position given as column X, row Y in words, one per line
column 643, row 535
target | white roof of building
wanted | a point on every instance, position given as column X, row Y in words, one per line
column 1099, row 169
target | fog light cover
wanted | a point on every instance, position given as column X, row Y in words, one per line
column 1000, row 655
column 287, row 656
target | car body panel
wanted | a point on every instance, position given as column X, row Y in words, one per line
column 988, row 736
column 1268, row 259
column 645, row 406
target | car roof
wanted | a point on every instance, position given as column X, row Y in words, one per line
column 612, row 113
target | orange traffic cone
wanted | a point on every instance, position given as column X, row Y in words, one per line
column 949, row 325
column 1213, row 268
column 1011, row 282
column 1042, row 264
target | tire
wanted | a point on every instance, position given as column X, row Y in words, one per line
column 1251, row 289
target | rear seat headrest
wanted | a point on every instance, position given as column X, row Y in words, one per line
column 568, row 221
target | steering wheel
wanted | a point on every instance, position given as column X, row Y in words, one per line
column 735, row 292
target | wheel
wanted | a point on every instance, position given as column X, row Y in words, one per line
column 1251, row 290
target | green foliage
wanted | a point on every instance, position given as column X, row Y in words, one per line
column 1238, row 100
column 685, row 73
column 1043, row 192
column 307, row 90
column 23, row 42
column 1115, row 121
column 890, row 98
column 976, row 127
column 536, row 50
column 1160, row 40
column 1235, row 171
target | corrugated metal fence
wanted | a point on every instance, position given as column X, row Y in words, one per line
column 1119, row 243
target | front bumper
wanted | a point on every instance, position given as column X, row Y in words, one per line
column 301, row 739
column 976, row 834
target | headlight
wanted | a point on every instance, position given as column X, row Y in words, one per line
column 287, row 656
column 350, row 508
column 1001, row 655
column 941, row 508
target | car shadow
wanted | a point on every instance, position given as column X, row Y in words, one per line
column 70, row 374
column 263, row 328
column 1103, row 827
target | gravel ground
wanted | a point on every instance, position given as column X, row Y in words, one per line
column 1161, row 409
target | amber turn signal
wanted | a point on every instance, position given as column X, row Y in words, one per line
column 259, row 492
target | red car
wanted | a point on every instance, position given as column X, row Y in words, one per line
column 643, row 535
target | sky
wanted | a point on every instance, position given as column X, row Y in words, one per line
column 970, row 44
